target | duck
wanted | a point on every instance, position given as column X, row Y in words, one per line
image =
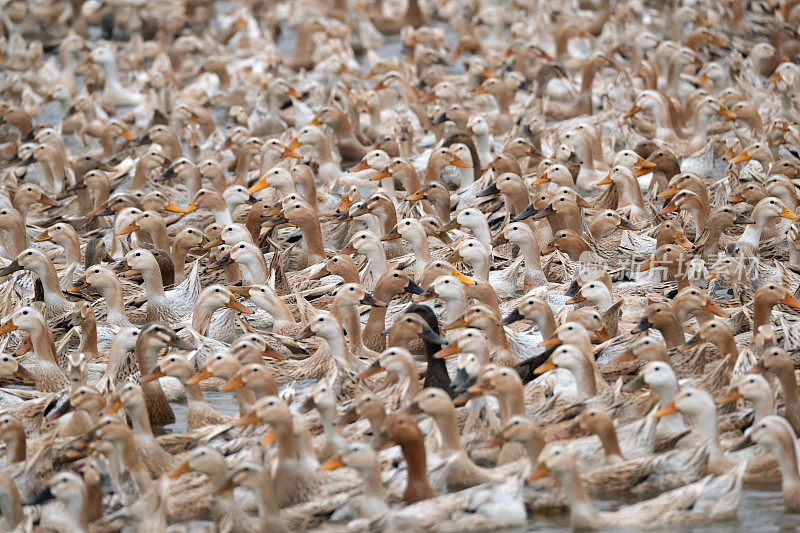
column 583, row 514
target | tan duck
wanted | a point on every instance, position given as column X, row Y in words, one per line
column 200, row 412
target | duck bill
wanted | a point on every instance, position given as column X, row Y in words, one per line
column 647, row 265
column 152, row 376
column 669, row 208
column 412, row 288
column 636, row 384
column 455, row 324
column 213, row 244
column 624, row 357
column 370, row 300
column 8, row 327
column 269, row 437
column 542, row 180
column 128, row 229
column 112, row 408
column 742, row 444
column 333, row 463
column 466, row 280
column 11, row 268
column 491, row 190
column 448, row 351
column 273, row 354
column 538, row 472
column 172, row 208
column 668, row 410
column 743, row 219
column 551, row 342
column 232, row 385
column 43, row 237
column 321, row 273
column 785, row 213
column 221, row 262
column 428, row 335
column 45, row 496
column 430, row 294
column 636, row 109
column 514, row 316
column 348, row 417
column 603, row 335
column 199, row 377
column 101, row 211
column 527, row 212
column 578, row 298
column 374, row 368
column 304, row 333
column 711, row 277
column 605, row 181
column 691, row 343
column 681, row 240
column 668, row 193
column 46, row 200
column 546, row 212
column 294, row 94
column 644, row 164
column 730, row 397
column 239, row 290
column 391, row 236
column 419, row 195
column 471, row 393
column 234, row 304
column 713, row 308
column 725, row 112
column 382, row 175
column 453, row 224
column 547, row 366
column 180, row 470
column 497, row 442
column 250, row 419
column 642, row 326
column 737, row 199
column 63, row 409
column 460, row 163
column 626, row 225
column 583, row 203
column 363, row 165
column 791, row 301
column 260, row 185
column 741, row 158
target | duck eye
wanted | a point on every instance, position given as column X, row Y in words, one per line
column 24, row 312
column 352, row 289
column 396, row 275
column 363, row 237
column 408, row 223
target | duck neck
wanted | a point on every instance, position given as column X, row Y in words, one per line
column 284, row 436
column 52, row 290
column 11, row 508
column 763, row 405
column 585, row 381
column 338, row 349
column 72, row 249
column 546, row 322
column 512, row 403
column 154, row 285
column 706, row 427
column 608, row 437
column 583, row 513
column 43, row 345
column 202, row 317
column 480, row 266
column 16, row 445
column 762, row 313
column 417, row 487
column 89, row 339
column 791, row 393
column 352, row 322
column 422, row 249
column 114, row 302
column 267, row 504
column 312, row 234
column 672, row 331
column 448, row 429
column 372, row 481
column 454, row 306
column 133, row 462
column 193, row 392
column 377, row 264
column 727, row 347
column 497, row 336
column 140, row 421
column 786, row 455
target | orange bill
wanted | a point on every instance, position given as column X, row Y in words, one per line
column 668, row 410
column 333, row 463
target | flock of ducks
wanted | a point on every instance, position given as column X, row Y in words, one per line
column 427, row 265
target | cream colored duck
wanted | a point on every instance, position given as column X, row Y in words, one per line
column 48, row 377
